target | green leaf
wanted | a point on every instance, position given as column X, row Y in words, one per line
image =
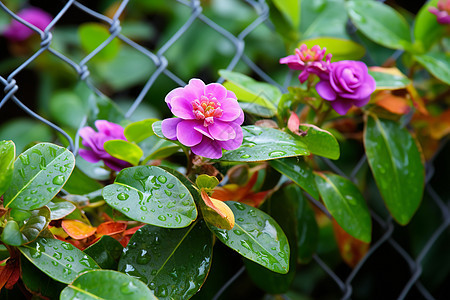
column 257, row 237
column 59, row 208
column 342, row 49
column 106, row 252
column 106, row 284
column 206, row 182
column 346, row 204
column 11, row 234
column 257, row 110
column 249, row 90
column 396, row 165
column 437, row 64
column 380, row 23
column 427, row 30
column 174, row 263
column 59, row 260
column 38, row 282
column 261, row 144
column 387, row 81
column 319, row 141
column 7, row 156
column 67, row 108
column 24, row 131
column 93, row 35
column 299, row 172
column 290, row 9
column 151, row 195
column 139, row 131
column 81, row 184
column 124, row 150
column 39, row 174
column 283, row 207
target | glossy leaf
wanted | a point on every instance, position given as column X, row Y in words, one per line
column 206, row 182
column 427, row 30
column 16, row 235
column 59, row 260
column 283, row 207
column 261, row 144
column 380, row 23
column 93, row 35
column 319, row 141
column 106, row 252
column 106, row 284
column 346, row 204
column 59, row 208
column 342, row 49
column 436, row 63
column 77, row 230
column 174, row 263
column 124, row 150
column 216, row 212
column 38, row 282
column 111, row 228
column 257, row 110
column 7, row 155
column 290, row 9
column 299, row 172
column 257, row 237
column 396, row 165
column 151, row 195
column 39, row 174
column 249, row 90
column 139, row 131
column 81, row 184
column 389, row 78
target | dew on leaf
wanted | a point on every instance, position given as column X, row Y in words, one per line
column 59, row 180
column 122, row 196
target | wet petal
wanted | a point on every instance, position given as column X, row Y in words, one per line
column 169, row 128
column 221, row 131
column 187, row 135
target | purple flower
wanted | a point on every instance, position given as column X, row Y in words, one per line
column 348, row 83
column 95, row 140
column 16, row 31
column 309, row 61
column 442, row 12
column 208, row 118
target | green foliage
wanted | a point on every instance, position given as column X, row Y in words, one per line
column 8, row 154
column 124, row 150
column 342, row 49
column 106, row 252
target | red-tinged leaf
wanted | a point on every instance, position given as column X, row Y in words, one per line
column 392, row 103
column 9, row 272
column 216, row 212
column 293, row 122
column 131, row 231
column 111, row 228
column 418, row 102
column 125, row 240
column 77, row 229
column 352, row 250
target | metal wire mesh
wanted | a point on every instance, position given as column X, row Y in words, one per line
column 384, row 226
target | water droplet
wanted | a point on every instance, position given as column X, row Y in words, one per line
column 240, row 219
column 168, row 193
column 35, row 254
column 282, row 254
column 69, row 258
column 238, row 232
column 67, row 271
column 24, row 159
column 28, row 198
column 170, row 185
column 54, row 263
column 22, row 173
column 186, row 202
column 59, row 180
column 144, row 258
column 126, row 209
column 181, row 195
column 67, row 246
column 57, row 255
column 69, row 266
column 239, row 206
column 276, row 153
column 122, row 196
column 51, row 189
column 144, row 208
column 245, row 156
column 162, row 291
column 33, row 192
column 246, row 245
column 62, row 169
column 127, row 288
column 154, row 272
column 162, row 218
column 170, row 204
column 42, row 164
column 162, row 179
column 178, row 219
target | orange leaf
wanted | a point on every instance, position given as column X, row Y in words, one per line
column 9, row 273
column 77, row 229
column 217, row 212
column 391, row 103
column 352, row 250
column 131, row 231
column 111, row 227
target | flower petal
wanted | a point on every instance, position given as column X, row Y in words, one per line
column 88, row 155
column 341, row 106
column 169, row 128
column 233, row 143
column 325, row 90
column 231, row 110
column 178, row 92
column 187, row 135
column 217, row 90
column 182, row 108
column 87, row 133
column 203, row 130
column 240, row 119
column 221, row 131
column 208, row 148
column 110, row 129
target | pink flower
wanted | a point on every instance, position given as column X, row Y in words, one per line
column 442, row 12
column 348, row 83
column 94, row 142
column 16, row 31
column 208, row 118
column 309, row 61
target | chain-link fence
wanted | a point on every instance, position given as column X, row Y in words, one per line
column 350, row 282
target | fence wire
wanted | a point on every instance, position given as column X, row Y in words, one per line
column 384, row 225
